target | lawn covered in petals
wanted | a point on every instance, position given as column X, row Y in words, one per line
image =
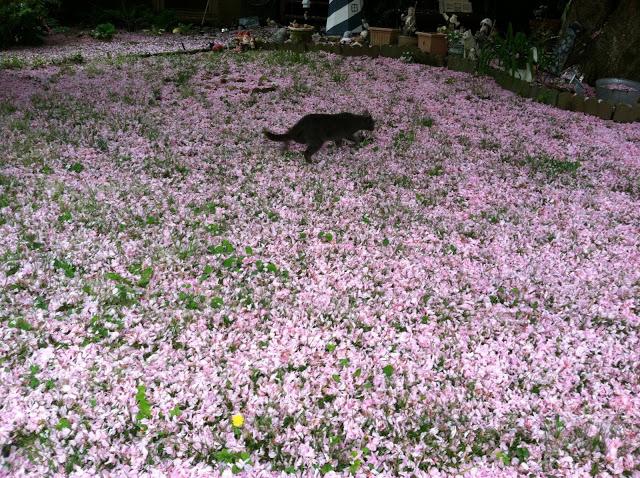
column 458, row 295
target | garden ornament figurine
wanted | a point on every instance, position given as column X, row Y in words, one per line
column 409, row 21
column 280, row 35
column 486, row 26
column 564, row 47
column 452, row 21
column 470, row 46
column 482, row 36
column 346, row 38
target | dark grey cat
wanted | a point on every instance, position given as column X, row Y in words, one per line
column 316, row 129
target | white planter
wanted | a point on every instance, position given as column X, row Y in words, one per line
column 525, row 74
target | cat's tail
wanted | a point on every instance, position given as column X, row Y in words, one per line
column 275, row 136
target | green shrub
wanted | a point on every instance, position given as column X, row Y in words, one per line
column 131, row 17
column 23, row 22
column 164, row 20
column 104, row 31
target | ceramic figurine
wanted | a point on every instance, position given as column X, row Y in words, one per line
column 564, row 47
column 280, row 35
column 470, row 45
column 409, row 20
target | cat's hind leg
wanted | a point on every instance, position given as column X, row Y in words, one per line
column 311, row 150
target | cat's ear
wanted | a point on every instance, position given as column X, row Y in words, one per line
column 366, row 113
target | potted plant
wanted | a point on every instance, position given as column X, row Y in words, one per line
column 516, row 55
column 455, row 44
column 447, row 39
column 434, row 43
column 379, row 36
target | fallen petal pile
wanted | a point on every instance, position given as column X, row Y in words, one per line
column 456, row 295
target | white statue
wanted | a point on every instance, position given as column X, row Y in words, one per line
column 453, row 22
column 482, row 35
column 347, row 38
column 409, row 20
column 470, row 46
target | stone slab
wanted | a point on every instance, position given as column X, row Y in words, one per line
column 373, row 51
column 459, row 63
column 505, row 80
column 591, row 106
column 330, row 48
column 428, row 59
column 515, row 84
column 626, row 113
column 578, row 103
column 348, row 50
column 565, row 101
column 391, row 51
column 547, row 96
column 605, row 110
column 521, row 87
column 456, row 63
column 419, row 56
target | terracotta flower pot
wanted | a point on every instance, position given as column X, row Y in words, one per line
column 434, row 43
column 383, row 36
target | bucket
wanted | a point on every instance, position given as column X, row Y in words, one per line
column 617, row 90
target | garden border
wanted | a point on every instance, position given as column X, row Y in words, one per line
column 620, row 112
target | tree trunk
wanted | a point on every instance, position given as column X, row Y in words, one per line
column 609, row 46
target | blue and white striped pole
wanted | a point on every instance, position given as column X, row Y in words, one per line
column 344, row 15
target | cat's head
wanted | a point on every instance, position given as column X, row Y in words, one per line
column 369, row 122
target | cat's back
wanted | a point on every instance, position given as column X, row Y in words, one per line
column 319, row 118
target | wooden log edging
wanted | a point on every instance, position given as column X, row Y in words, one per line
column 564, row 100
column 620, row 112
